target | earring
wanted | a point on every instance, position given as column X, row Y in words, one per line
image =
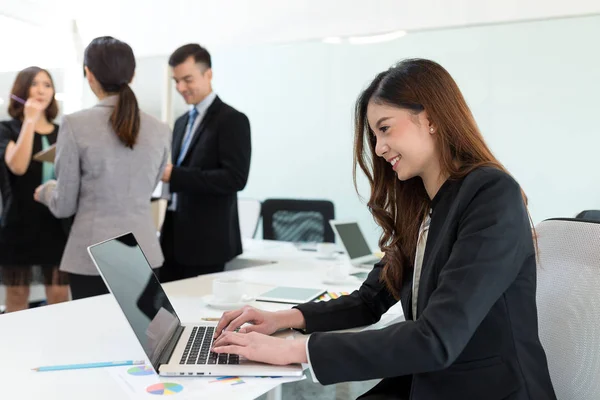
column 431, row 130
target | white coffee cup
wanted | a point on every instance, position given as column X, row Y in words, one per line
column 337, row 272
column 326, row 250
column 228, row 290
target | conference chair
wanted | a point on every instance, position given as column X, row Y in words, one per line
column 294, row 220
column 589, row 214
column 249, row 211
column 568, row 299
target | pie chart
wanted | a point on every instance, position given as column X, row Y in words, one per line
column 140, row 371
column 164, row 388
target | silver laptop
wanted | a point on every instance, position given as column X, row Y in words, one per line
column 354, row 243
column 173, row 349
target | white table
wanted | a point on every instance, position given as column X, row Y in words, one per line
column 94, row 329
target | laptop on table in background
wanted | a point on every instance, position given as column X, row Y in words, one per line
column 354, row 243
column 173, row 348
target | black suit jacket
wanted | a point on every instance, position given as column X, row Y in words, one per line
column 476, row 335
column 216, row 166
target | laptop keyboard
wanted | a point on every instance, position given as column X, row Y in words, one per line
column 197, row 349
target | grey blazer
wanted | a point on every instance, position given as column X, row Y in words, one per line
column 106, row 184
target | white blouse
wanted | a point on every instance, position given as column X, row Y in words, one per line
column 420, row 252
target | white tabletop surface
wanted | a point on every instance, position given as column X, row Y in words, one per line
column 94, row 329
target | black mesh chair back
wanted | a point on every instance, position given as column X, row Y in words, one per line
column 591, row 215
column 298, row 220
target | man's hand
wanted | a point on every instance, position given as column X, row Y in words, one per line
column 166, row 178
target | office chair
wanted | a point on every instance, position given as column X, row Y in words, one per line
column 298, row 220
column 249, row 211
column 593, row 215
column 568, row 299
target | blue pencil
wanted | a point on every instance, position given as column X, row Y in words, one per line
column 88, row 365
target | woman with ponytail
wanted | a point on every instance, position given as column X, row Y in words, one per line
column 109, row 159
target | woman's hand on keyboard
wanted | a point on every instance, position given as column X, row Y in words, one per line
column 261, row 321
column 262, row 348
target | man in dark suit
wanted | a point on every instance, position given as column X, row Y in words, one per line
column 210, row 164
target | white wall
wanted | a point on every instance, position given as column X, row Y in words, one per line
column 157, row 27
column 533, row 88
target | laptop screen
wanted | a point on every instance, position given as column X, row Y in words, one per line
column 129, row 277
column 353, row 240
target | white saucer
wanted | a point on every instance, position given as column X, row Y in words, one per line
column 348, row 280
column 324, row 257
column 219, row 305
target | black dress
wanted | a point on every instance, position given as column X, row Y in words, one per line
column 29, row 234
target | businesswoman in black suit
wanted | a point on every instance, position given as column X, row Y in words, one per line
column 459, row 255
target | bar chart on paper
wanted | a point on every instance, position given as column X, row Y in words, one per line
column 141, row 371
column 231, row 380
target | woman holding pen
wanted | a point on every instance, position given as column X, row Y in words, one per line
column 30, row 236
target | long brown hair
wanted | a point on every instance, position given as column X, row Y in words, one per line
column 113, row 64
column 400, row 206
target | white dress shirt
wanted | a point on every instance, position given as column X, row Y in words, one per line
column 201, row 107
